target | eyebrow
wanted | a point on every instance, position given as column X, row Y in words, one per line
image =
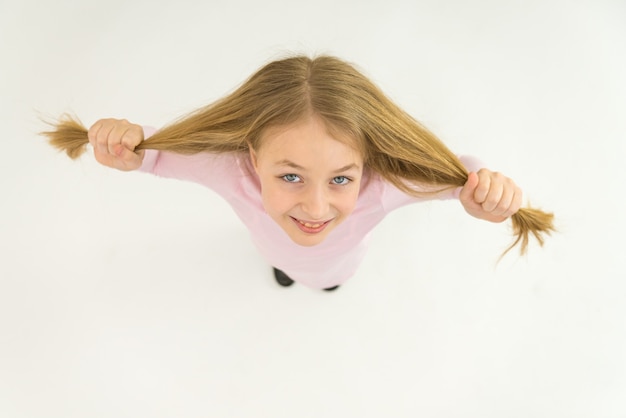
column 291, row 164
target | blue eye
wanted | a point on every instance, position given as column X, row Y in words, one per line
column 341, row 180
column 291, row 178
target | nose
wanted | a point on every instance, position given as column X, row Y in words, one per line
column 315, row 203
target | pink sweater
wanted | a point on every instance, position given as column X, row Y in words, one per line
column 327, row 264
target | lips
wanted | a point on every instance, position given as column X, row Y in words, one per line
column 310, row 227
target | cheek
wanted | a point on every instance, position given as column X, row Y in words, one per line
column 275, row 201
column 346, row 203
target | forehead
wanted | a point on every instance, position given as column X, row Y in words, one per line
column 310, row 135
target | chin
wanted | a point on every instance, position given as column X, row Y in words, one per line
column 307, row 241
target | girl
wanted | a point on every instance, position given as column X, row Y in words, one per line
column 311, row 155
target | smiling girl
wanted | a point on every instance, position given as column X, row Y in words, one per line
column 311, row 155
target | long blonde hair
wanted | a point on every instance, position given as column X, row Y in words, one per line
column 393, row 144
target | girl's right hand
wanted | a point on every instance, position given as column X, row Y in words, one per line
column 114, row 142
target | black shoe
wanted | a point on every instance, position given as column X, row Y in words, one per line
column 330, row 289
column 282, row 278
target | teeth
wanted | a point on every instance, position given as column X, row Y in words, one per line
column 308, row 225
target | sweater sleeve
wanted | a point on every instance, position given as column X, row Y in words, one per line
column 215, row 171
column 151, row 156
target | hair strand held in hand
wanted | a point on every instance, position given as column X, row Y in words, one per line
column 69, row 135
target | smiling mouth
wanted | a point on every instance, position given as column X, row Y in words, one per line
column 310, row 228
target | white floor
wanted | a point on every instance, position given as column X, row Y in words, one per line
column 124, row 295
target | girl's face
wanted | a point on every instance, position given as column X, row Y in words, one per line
column 309, row 180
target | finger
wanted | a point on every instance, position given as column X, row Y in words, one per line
column 92, row 133
column 516, row 202
column 124, row 154
column 503, row 207
column 128, row 159
column 483, row 187
column 115, row 136
column 494, row 196
column 133, row 137
column 467, row 192
column 102, row 138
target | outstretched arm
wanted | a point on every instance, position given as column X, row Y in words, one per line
column 491, row 196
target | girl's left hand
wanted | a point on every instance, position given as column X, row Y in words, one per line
column 490, row 196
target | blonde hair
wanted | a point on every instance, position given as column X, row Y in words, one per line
column 393, row 144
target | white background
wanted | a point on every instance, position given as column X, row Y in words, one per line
column 125, row 295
